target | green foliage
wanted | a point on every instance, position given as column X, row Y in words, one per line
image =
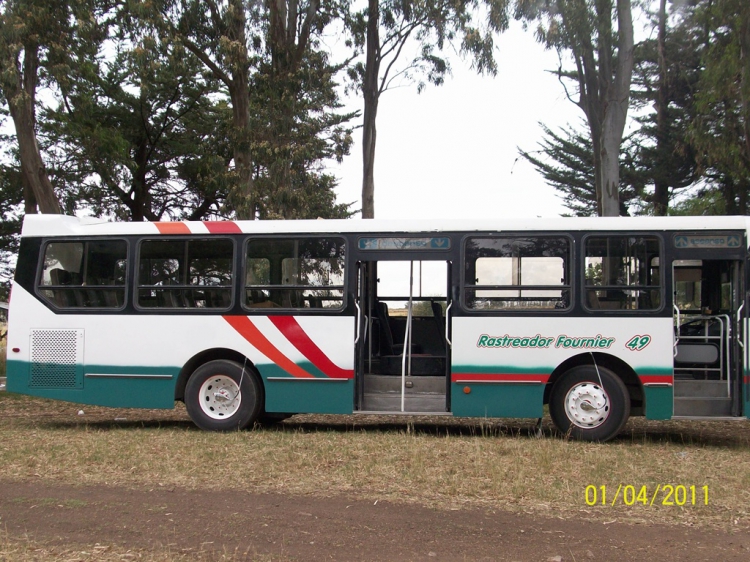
column 721, row 128
column 566, row 161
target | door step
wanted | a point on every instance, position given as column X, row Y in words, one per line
column 413, row 403
column 414, row 385
column 703, row 407
column 700, row 389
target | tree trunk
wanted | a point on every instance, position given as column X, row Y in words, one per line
column 371, row 96
column 745, row 90
column 242, row 196
column 616, row 102
column 661, row 184
column 20, row 91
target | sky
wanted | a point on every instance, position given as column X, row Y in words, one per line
column 452, row 151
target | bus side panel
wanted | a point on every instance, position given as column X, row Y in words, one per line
column 659, row 402
column 306, row 362
column 319, row 396
column 500, row 365
column 497, row 401
column 127, row 391
column 133, row 360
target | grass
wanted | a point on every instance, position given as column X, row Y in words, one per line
column 441, row 462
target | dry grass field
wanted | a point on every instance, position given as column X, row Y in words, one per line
column 444, row 463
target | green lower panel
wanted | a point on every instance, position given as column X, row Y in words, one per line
column 497, row 400
column 121, row 387
column 309, row 396
column 659, row 402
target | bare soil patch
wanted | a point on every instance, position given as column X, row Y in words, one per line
column 241, row 525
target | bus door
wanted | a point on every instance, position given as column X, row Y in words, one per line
column 403, row 350
column 709, row 348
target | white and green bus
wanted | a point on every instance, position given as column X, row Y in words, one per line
column 245, row 321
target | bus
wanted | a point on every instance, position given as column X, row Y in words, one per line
column 598, row 319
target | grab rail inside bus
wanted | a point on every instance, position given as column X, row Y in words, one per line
column 359, row 318
column 676, row 330
column 447, row 323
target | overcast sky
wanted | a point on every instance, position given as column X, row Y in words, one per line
column 451, row 151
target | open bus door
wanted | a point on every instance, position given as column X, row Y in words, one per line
column 710, row 355
column 402, row 352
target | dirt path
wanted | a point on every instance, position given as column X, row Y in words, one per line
column 337, row 528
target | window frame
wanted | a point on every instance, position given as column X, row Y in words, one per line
column 570, row 269
column 136, row 286
column 623, row 311
column 243, row 288
column 39, row 288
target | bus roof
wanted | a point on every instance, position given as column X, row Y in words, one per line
column 60, row 225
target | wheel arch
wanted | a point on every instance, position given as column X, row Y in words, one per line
column 619, row 367
column 211, row 355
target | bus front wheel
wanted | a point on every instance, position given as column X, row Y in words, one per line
column 222, row 396
column 589, row 403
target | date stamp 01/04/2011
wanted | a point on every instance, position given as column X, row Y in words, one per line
column 660, row 494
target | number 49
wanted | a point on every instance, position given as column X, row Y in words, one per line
column 637, row 343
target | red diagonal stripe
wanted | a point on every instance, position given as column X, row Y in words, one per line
column 172, row 227
column 251, row 333
column 222, row 227
column 288, row 326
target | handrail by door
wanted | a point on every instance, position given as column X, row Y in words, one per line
column 447, row 310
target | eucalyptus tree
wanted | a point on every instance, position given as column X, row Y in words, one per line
column 404, row 41
column 34, row 35
column 265, row 54
column 657, row 159
column 603, row 59
column 135, row 120
column 721, row 128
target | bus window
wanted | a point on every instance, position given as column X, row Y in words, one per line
column 517, row 273
column 621, row 273
column 84, row 274
column 185, row 273
column 295, row 273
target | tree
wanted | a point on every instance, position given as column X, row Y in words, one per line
column 136, row 131
column 296, row 121
column 257, row 51
column 566, row 161
column 32, row 35
column 721, row 128
column 385, row 29
column 665, row 78
column 603, row 61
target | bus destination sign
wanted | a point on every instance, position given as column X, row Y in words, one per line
column 707, row 241
column 398, row 243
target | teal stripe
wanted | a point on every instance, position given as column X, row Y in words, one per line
column 273, row 370
column 505, row 369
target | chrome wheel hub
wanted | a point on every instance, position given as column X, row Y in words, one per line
column 587, row 405
column 220, row 397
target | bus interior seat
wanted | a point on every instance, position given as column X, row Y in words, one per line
column 593, row 299
column 67, row 298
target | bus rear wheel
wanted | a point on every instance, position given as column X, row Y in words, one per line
column 589, row 404
column 222, row 396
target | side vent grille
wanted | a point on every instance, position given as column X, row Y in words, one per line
column 56, row 358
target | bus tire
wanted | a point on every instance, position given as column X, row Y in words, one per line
column 220, row 397
column 581, row 408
